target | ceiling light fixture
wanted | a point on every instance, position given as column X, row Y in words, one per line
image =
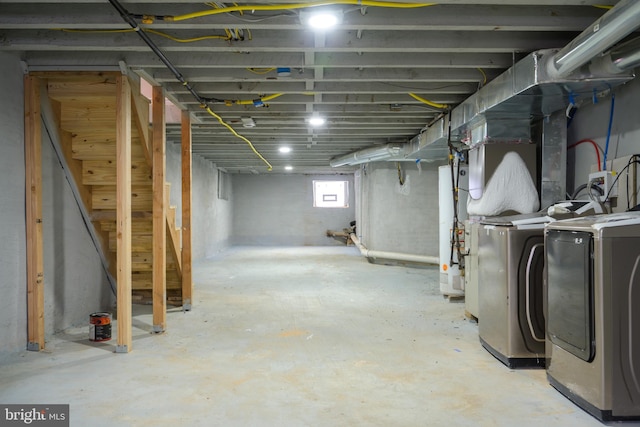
column 321, row 19
column 288, row 168
column 284, row 149
column 317, row 121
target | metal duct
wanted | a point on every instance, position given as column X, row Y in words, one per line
column 612, row 27
column 624, row 57
column 524, row 92
column 542, row 83
column 432, row 143
column 392, row 151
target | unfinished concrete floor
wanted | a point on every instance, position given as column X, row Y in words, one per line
column 293, row 337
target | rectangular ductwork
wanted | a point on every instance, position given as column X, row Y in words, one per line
column 544, row 82
column 432, row 143
column 503, row 110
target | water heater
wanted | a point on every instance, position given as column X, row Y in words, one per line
column 451, row 284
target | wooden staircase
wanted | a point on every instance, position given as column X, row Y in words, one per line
column 85, row 106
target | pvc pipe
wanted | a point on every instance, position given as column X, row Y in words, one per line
column 395, row 256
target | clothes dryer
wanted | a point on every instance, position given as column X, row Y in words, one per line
column 593, row 313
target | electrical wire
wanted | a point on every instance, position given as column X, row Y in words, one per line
column 146, row 30
column 455, row 181
column 606, row 147
column 278, row 7
column 632, row 160
column 260, row 71
column 233, row 131
column 430, row 103
column 252, row 101
column 635, row 190
column 126, row 16
column 400, row 175
column 596, row 146
column 191, row 40
column 484, row 75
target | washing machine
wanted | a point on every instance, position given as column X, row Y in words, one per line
column 510, row 297
column 511, row 321
column 593, row 313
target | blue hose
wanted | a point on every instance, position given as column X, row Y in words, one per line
column 606, row 147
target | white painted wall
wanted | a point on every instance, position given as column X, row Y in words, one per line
column 211, row 217
column 278, row 210
column 393, row 219
column 591, row 121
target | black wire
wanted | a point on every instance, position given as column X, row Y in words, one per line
column 633, row 159
column 635, row 189
column 129, row 19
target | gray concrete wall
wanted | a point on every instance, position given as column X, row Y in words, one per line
column 74, row 279
column 396, row 219
column 592, row 120
column 211, row 217
column 13, row 315
column 278, row 210
column 75, row 283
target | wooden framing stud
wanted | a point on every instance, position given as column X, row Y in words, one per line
column 33, row 172
column 187, row 276
column 159, row 281
column 123, row 213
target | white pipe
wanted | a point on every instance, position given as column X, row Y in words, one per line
column 395, row 256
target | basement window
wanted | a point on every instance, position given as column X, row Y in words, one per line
column 330, row 194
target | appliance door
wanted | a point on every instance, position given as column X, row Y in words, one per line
column 570, row 316
column 530, row 294
column 493, row 288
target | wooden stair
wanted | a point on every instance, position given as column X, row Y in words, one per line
column 85, row 106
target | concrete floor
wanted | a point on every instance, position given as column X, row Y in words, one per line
column 293, row 337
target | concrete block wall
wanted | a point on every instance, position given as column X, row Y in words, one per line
column 211, row 217
column 13, row 268
column 278, row 210
column 74, row 280
column 396, row 218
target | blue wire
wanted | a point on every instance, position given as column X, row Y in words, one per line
column 606, row 147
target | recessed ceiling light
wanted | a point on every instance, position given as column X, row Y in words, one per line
column 323, row 20
column 288, row 168
column 284, row 149
column 317, row 121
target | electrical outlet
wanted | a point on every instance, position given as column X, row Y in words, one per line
column 606, row 180
column 625, row 197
